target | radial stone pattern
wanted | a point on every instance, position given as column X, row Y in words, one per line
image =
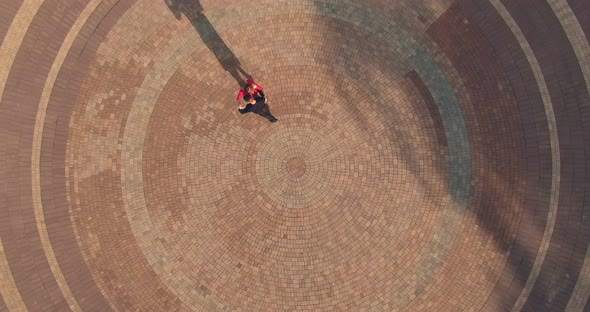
column 430, row 155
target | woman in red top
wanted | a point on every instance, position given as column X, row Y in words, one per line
column 256, row 101
column 251, row 88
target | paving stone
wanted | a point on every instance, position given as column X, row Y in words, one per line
column 429, row 155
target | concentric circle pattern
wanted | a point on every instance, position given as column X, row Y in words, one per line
column 429, row 155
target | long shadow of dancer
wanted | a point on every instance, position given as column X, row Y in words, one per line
column 193, row 11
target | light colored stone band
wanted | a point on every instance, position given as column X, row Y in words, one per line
column 8, row 50
column 553, row 138
column 8, row 288
column 36, row 154
column 577, row 39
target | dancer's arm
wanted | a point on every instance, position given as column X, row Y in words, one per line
column 239, row 97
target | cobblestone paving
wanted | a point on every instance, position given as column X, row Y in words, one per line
column 429, row 155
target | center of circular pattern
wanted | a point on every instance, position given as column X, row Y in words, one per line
column 296, row 167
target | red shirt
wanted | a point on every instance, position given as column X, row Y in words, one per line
column 257, row 87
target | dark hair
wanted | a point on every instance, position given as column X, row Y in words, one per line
column 247, row 97
column 248, row 85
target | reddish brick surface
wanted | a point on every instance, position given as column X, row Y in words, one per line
column 22, row 247
column 157, row 195
column 571, row 103
column 53, row 160
column 581, row 9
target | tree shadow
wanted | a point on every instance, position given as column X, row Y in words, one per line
column 494, row 210
column 567, row 244
column 193, row 11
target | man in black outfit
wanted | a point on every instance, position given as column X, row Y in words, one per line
column 257, row 105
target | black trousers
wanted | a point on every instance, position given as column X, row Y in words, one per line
column 260, row 108
column 265, row 112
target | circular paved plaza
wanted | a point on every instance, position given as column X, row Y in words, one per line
column 430, row 155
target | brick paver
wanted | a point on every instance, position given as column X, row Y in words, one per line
column 429, row 156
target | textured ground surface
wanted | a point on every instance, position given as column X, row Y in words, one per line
column 431, row 155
